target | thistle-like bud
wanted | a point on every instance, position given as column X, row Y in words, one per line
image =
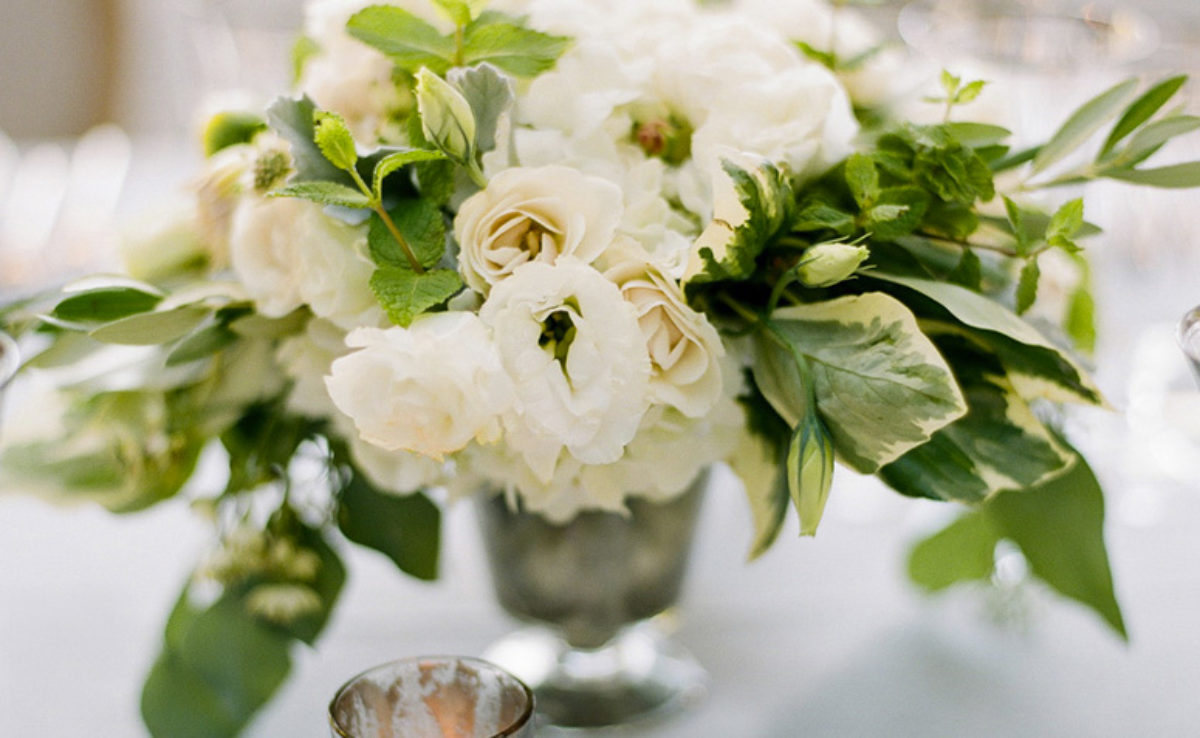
column 446, row 117
column 827, row 264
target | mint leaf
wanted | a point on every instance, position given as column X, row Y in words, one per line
column 405, row 528
column 1080, row 321
column 405, row 294
column 457, row 11
column 408, row 41
column 230, row 129
column 1027, row 285
column 968, row 272
column 324, row 193
column 490, row 95
column 862, row 178
column 513, row 48
column 818, row 216
column 898, row 211
column 436, row 180
column 334, row 140
column 1066, row 221
column 294, row 120
column 969, row 92
column 421, row 224
column 397, row 160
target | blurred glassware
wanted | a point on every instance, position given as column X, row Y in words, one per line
column 10, row 361
column 433, row 697
column 1189, row 339
column 1030, row 34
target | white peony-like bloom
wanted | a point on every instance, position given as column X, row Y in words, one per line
column 288, row 253
column 431, row 388
column 576, row 354
column 684, row 348
column 306, row 359
column 529, row 215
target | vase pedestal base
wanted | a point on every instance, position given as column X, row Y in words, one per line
column 638, row 675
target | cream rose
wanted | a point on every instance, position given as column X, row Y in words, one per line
column 288, row 253
column 684, row 348
column 578, row 359
column 534, row 215
column 431, row 388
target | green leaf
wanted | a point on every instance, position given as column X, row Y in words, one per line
column 950, row 83
column 331, row 577
column 1080, row 321
column 1152, row 137
column 408, row 41
column 490, row 95
column 880, row 385
column 964, row 551
column 760, row 461
column 202, row 344
column 1083, row 123
column 810, row 471
column 1020, row 229
column 999, row 444
column 457, row 11
column 405, row 528
column 818, row 216
column 150, row 329
column 421, row 224
column 333, row 138
column 436, row 180
column 324, row 193
column 230, row 129
column 969, row 92
column 1036, row 366
column 218, row 666
column 1059, row 526
column 1066, row 221
column 862, row 178
column 976, row 135
column 305, row 48
column 728, row 248
column 1177, row 176
column 397, row 160
column 1027, row 285
column 1142, row 110
column 105, row 304
column 968, row 272
column 898, row 211
column 405, row 294
column 293, row 119
column 520, row 51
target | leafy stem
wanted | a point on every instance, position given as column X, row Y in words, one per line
column 376, row 205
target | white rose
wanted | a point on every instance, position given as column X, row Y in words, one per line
column 431, row 388
column 684, row 348
column 288, row 253
column 399, row 472
column 534, row 215
column 575, row 351
column 306, row 359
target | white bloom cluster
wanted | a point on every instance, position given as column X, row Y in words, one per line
column 573, row 371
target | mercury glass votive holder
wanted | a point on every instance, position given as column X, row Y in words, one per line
column 433, row 697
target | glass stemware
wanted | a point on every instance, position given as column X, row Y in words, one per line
column 1189, row 339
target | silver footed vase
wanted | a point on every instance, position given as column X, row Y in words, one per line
column 594, row 593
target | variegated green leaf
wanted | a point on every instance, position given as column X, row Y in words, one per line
column 880, row 385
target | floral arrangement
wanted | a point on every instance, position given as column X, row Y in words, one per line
column 577, row 252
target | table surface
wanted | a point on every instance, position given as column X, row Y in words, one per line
column 820, row 637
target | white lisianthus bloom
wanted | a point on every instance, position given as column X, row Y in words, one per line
column 578, row 359
column 530, row 215
column 684, row 348
column 288, row 253
column 431, row 388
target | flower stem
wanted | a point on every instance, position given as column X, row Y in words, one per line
column 377, row 206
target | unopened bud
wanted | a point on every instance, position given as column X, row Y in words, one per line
column 827, row 264
column 446, row 117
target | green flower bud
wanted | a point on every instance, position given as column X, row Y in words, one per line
column 446, row 117
column 826, row 264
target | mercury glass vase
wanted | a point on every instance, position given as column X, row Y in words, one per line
column 1189, row 339
column 593, row 591
column 433, row 697
column 10, row 361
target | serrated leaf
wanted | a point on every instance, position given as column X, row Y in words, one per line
column 405, row 528
column 397, row 160
column 153, row 328
column 903, row 207
column 862, row 178
column 1016, row 218
column 968, row 272
column 436, row 180
column 1066, row 221
column 293, row 119
column 456, row 11
column 1140, row 111
column 490, row 95
column 521, row 51
column 333, row 138
column 105, row 304
column 324, row 193
column 1083, row 123
column 810, row 471
column 969, row 92
column 421, row 224
column 817, row 216
column 1177, row 176
column 1027, row 285
column 405, row 294
column 950, row 83
column 408, row 41
column 880, row 385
